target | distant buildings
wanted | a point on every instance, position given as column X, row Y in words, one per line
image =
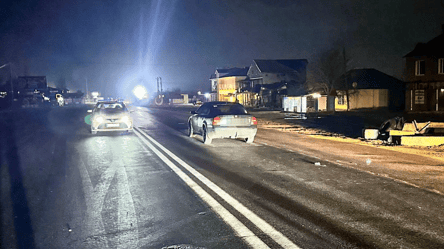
column 263, row 83
column 267, row 83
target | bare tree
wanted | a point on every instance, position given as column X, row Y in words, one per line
column 325, row 70
column 344, row 65
column 324, row 73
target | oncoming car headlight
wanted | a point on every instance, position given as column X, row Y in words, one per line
column 125, row 119
column 99, row 119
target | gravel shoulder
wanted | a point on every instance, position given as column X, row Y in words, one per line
column 278, row 121
column 421, row 167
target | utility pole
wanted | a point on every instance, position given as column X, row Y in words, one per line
column 159, row 82
column 159, row 99
column 347, row 94
column 86, row 87
column 12, row 85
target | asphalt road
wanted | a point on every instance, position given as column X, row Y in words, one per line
column 62, row 187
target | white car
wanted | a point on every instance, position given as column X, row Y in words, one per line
column 110, row 116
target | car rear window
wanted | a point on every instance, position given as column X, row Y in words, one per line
column 229, row 109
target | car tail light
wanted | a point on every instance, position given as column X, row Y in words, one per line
column 253, row 121
column 216, row 121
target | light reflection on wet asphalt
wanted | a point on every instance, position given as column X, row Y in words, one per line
column 112, row 191
column 100, row 191
column 117, row 167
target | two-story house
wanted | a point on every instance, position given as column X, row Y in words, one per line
column 271, row 80
column 425, row 76
column 226, row 82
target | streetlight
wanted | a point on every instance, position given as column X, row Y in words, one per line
column 10, row 80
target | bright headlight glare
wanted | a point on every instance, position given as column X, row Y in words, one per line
column 99, row 119
column 125, row 119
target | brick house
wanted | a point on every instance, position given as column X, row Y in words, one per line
column 424, row 71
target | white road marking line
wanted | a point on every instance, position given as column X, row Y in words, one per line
column 94, row 223
column 277, row 236
column 95, row 198
column 127, row 219
column 240, row 229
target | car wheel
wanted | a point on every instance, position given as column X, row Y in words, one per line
column 205, row 137
column 190, row 130
column 249, row 140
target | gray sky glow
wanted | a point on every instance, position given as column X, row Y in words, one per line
column 115, row 45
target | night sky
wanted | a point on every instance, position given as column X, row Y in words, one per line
column 115, row 45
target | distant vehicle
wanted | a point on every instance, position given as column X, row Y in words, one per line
column 222, row 120
column 197, row 102
column 60, row 100
column 110, row 116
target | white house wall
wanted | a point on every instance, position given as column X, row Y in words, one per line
column 295, row 104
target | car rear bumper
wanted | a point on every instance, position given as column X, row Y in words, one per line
column 232, row 132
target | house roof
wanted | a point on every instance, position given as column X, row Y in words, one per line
column 433, row 47
column 230, row 72
column 280, row 66
column 368, row 78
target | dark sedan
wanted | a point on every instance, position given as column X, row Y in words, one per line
column 222, row 120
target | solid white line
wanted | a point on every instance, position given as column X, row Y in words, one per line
column 277, row 236
column 240, row 229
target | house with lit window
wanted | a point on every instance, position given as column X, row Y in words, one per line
column 272, row 80
column 369, row 88
column 226, row 82
column 424, row 67
column 213, row 92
